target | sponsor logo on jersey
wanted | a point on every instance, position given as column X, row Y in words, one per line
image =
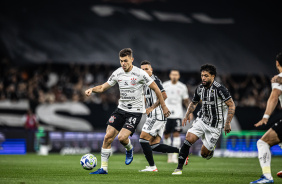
column 125, row 83
column 112, row 119
column 213, row 140
column 209, row 103
column 146, row 79
column 133, row 81
column 111, row 78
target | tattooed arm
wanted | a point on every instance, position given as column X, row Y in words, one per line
column 192, row 106
column 231, row 112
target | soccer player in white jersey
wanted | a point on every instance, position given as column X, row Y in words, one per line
column 274, row 135
column 126, row 117
column 154, row 126
column 177, row 94
column 210, row 119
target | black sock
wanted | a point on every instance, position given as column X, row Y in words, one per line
column 184, row 152
column 164, row 148
column 147, row 150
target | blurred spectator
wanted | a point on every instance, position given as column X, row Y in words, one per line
column 30, row 121
column 30, row 125
column 51, row 83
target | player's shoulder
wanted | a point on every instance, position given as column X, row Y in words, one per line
column 118, row 71
column 137, row 71
column 218, row 85
column 156, row 78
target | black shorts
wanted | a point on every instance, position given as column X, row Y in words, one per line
column 277, row 127
column 123, row 119
column 173, row 125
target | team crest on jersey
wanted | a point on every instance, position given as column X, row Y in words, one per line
column 112, row 119
column 133, row 81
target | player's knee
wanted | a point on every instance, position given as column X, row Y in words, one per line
column 108, row 139
column 261, row 143
column 204, row 154
column 122, row 138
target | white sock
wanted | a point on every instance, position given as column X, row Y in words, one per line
column 264, row 157
column 176, row 142
column 167, row 141
column 128, row 146
column 105, row 155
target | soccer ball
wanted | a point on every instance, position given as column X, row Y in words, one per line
column 88, row 161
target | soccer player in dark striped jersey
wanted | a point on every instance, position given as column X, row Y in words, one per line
column 154, row 126
column 211, row 119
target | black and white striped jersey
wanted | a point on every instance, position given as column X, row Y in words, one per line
column 214, row 110
column 151, row 98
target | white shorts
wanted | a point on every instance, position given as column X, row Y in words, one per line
column 209, row 135
column 154, row 127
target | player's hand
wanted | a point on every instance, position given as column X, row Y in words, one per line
column 227, row 128
column 261, row 122
column 149, row 110
column 166, row 111
column 88, row 92
column 274, row 79
column 187, row 117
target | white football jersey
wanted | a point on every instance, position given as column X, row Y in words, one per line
column 278, row 86
column 176, row 93
column 131, row 88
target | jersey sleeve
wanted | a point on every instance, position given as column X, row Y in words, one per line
column 112, row 79
column 145, row 78
column 160, row 85
column 276, row 86
column 196, row 97
column 224, row 93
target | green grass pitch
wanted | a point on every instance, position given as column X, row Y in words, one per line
column 31, row 168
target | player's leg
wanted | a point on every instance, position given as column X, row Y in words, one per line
column 157, row 133
column 131, row 122
column 192, row 136
column 125, row 141
column 176, row 142
column 209, row 139
column 167, row 137
column 163, row 148
column 147, row 150
column 106, row 151
column 269, row 139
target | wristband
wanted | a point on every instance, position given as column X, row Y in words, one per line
column 266, row 116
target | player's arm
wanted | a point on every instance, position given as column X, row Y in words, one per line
column 231, row 111
column 186, row 102
column 192, row 106
column 98, row 89
column 156, row 104
column 271, row 104
column 155, row 87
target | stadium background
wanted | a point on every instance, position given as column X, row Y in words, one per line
column 51, row 51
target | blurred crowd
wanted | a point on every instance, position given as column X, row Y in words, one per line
column 50, row 83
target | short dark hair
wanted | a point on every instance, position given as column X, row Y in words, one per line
column 209, row 68
column 126, row 52
column 146, row 62
column 279, row 58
